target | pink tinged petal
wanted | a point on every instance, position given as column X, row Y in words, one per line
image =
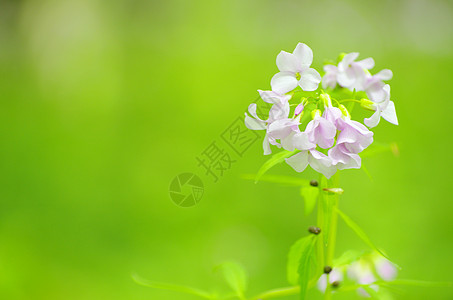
column 333, row 114
column 281, row 128
column 299, row 109
column 266, row 146
column 386, row 270
column 273, row 97
column 373, row 121
column 304, row 54
column 309, row 80
column 321, row 132
column 389, row 113
column 321, row 163
column 367, row 63
column 347, row 60
column 283, row 82
column 385, row 74
column 329, row 81
column 299, row 161
column 287, row 62
column 302, row 142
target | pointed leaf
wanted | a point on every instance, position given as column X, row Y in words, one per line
column 275, row 159
column 304, row 269
column 172, row 287
column 310, row 195
column 294, row 255
column 360, row 233
column 235, row 276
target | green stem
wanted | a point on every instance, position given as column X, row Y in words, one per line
column 331, row 239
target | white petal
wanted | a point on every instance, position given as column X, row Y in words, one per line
column 389, row 113
column 385, row 74
column 252, row 111
column 298, row 161
column 286, row 62
column 309, row 80
column 347, row 60
column 346, row 78
column 273, row 97
column 288, row 142
column 367, row 63
column 254, row 124
column 373, row 121
column 302, row 142
column 283, row 82
column 304, row 54
column 266, row 146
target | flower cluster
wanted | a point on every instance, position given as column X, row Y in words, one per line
column 366, row 271
column 314, row 122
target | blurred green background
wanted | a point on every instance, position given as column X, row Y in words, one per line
column 104, row 102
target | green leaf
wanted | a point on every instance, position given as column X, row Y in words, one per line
column 306, row 258
column 294, row 255
column 310, row 195
column 360, row 233
column 235, row 276
column 275, row 159
column 173, row 287
column 283, row 180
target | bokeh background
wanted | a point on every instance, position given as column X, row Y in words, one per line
column 104, row 102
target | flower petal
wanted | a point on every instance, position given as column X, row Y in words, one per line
column 389, row 113
column 367, row 63
column 273, row 97
column 385, row 74
column 286, row 62
column 321, row 163
column 254, row 124
column 309, row 80
column 299, row 161
column 302, row 142
column 283, row 82
column 266, row 146
column 347, row 60
column 373, row 121
column 304, row 54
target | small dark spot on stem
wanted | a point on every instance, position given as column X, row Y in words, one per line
column 314, row 183
column 335, row 284
column 314, row 230
column 327, row 269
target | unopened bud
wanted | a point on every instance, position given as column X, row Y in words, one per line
column 367, row 104
column 315, row 230
column 314, row 183
column 315, row 113
column 344, row 111
column 327, row 269
column 338, row 191
column 325, row 98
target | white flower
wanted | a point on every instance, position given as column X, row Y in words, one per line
column 330, row 78
column 352, row 74
column 295, row 70
column 374, row 85
column 384, row 108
